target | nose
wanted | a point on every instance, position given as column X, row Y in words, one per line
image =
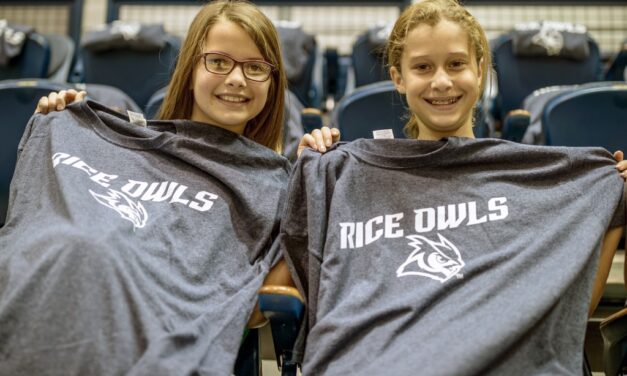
column 441, row 80
column 236, row 77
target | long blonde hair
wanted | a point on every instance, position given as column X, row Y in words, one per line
column 267, row 127
column 431, row 12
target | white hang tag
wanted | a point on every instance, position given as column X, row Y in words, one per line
column 383, row 133
column 136, row 118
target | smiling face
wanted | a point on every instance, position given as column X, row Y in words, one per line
column 441, row 79
column 228, row 101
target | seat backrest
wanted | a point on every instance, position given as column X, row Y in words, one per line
column 32, row 62
column 152, row 107
column 61, row 57
column 588, row 116
column 368, row 108
column 138, row 73
column 300, row 58
column 18, row 100
column 368, row 57
column 519, row 76
column 617, row 70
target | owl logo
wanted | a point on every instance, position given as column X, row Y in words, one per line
column 129, row 210
column 436, row 260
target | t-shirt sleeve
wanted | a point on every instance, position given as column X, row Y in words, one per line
column 618, row 219
column 28, row 131
column 301, row 226
column 303, row 230
column 602, row 183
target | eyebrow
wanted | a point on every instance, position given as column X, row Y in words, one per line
column 228, row 54
column 454, row 54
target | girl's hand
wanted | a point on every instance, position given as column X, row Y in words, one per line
column 57, row 101
column 621, row 166
column 319, row 139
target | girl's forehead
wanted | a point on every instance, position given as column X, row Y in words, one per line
column 229, row 37
column 445, row 37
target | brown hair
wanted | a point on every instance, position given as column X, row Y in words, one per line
column 267, row 127
column 431, row 12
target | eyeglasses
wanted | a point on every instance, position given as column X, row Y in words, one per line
column 223, row 64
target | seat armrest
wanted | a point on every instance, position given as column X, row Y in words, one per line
column 284, row 307
column 311, row 118
column 614, row 332
column 515, row 125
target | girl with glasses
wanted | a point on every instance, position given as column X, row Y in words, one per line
column 229, row 75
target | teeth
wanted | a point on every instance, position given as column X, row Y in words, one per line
column 444, row 101
column 230, row 98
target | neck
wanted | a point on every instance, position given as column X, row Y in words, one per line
column 428, row 134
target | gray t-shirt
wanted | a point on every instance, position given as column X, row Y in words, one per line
column 448, row 257
column 134, row 250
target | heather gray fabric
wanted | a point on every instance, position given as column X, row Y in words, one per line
column 133, row 250
column 450, row 257
column 110, row 96
column 293, row 126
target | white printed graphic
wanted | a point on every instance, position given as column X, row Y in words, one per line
column 436, row 260
column 129, row 210
column 121, row 200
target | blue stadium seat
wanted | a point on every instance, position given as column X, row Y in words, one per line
column 617, row 70
column 283, row 307
column 61, row 57
column 154, row 102
column 301, row 62
column 588, row 116
column 519, row 76
column 368, row 56
column 614, row 333
column 138, row 73
column 368, row 108
column 32, row 62
column 18, row 100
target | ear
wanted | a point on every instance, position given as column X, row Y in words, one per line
column 397, row 78
column 480, row 72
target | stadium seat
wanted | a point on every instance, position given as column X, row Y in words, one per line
column 617, row 70
column 301, row 62
column 368, row 56
column 283, row 307
column 154, row 102
column 139, row 73
column 32, row 62
column 518, row 75
column 61, row 57
column 18, row 100
column 614, row 333
column 368, row 108
column 588, row 116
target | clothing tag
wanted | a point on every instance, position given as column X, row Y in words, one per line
column 383, row 133
column 136, row 118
